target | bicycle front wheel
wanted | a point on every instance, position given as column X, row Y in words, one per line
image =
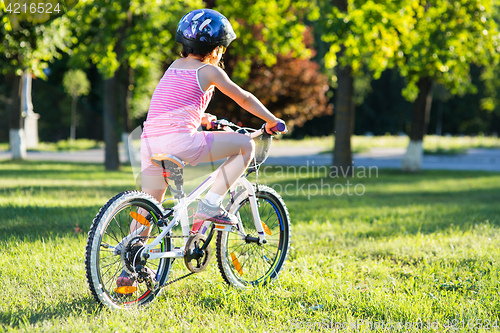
column 243, row 263
column 109, row 252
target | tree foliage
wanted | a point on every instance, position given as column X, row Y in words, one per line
column 367, row 29
column 265, row 30
column 134, row 32
column 293, row 89
column 31, row 40
column 437, row 39
column 291, row 85
column 75, row 83
column 442, row 39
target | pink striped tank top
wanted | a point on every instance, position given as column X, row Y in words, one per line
column 178, row 103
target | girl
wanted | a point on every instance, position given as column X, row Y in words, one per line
column 177, row 110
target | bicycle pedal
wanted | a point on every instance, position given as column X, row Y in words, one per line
column 224, row 227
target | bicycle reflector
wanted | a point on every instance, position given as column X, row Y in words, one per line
column 236, row 263
column 124, row 290
column 266, row 228
column 139, row 218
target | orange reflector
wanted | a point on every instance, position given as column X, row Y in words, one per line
column 266, row 229
column 126, row 290
column 236, row 263
column 139, row 218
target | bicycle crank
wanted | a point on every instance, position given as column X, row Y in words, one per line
column 198, row 253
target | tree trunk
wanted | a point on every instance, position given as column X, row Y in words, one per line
column 111, row 157
column 126, row 79
column 111, row 101
column 72, row 134
column 30, row 118
column 16, row 132
column 344, row 111
column 412, row 160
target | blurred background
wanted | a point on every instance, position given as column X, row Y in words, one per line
column 76, row 70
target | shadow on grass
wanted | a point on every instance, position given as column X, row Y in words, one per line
column 54, row 169
column 414, row 205
column 32, row 223
column 395, row 202
column 16, row 318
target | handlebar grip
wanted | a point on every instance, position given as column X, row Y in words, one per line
column 219, row 124
column 280, row 127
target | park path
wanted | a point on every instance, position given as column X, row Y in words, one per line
column 474, row 159
column 390, row 158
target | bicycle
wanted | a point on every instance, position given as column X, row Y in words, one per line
column 251, row 253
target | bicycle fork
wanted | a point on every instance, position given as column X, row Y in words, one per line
column 259, row 226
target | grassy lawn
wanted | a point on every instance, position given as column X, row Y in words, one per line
column 381, row 248
column 63, row 145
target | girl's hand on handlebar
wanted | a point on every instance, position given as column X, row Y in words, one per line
column 275, row 127
column 207, row 119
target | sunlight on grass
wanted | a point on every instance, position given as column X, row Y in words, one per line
column 411, row 247
column 62, row 145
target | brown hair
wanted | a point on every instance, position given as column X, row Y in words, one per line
column 205, row 58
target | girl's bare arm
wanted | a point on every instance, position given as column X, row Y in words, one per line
column 211, row 75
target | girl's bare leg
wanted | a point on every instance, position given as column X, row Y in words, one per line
column 239, row 148
column 154, row 186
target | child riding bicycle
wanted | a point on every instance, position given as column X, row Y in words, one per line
column 177, row 110
column 178, row 107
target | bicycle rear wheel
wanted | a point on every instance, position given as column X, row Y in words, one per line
column 244, row 263
column 107, row 255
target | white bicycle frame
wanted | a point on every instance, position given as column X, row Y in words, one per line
column 180, row 215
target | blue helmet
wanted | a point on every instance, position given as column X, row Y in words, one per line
column 202, row 30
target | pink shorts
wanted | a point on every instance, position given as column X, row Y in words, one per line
column 189, row 147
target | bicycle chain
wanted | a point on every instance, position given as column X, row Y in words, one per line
column 175, row 280
column 179, row 278
column 152, row 237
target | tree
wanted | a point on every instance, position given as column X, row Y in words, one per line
column 129, row 35
column 30, row 39
column 118, row 39
column 271, row 58
column 76, row 84
column 440, row 42
column 293, row 89
column 363, row 38
column 265, row 30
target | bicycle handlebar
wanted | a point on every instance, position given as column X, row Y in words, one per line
column 280, row 127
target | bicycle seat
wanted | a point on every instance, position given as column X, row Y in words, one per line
column 168, row 162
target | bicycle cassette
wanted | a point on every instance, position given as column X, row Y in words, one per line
column 196, row 259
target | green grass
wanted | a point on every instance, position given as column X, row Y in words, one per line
column 433, row 144
column 411, row 247
column 63, row 145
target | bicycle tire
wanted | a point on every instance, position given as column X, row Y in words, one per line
column 103, row 265
column 244, row 264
